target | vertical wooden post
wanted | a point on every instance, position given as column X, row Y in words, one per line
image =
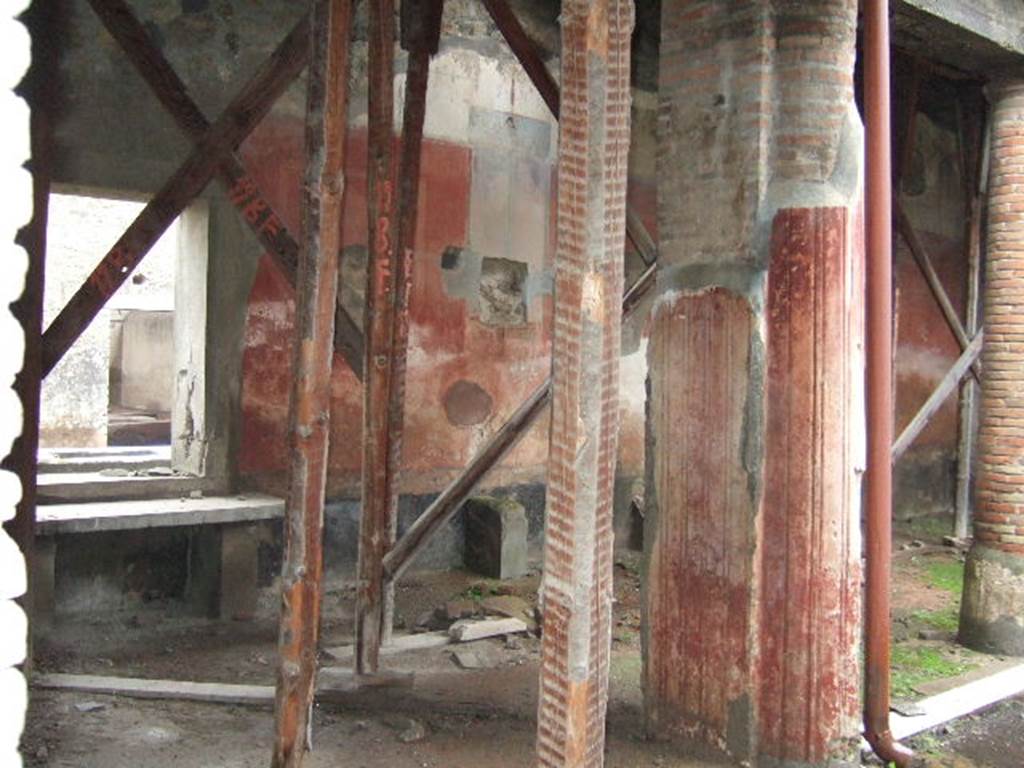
column 316, row 297
column 591, row 230
column 974, row 144
column 420, row 36
column 377, row 528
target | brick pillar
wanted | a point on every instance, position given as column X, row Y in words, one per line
column 577, row 590
column 755, row 417
column 992, row 617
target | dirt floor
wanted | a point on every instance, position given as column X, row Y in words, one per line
column 453, row 716
column 927, row 582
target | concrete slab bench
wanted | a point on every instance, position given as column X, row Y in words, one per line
column 224, row 545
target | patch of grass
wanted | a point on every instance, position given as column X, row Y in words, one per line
column 948, row 576
column 947, row 619
column 913, row 665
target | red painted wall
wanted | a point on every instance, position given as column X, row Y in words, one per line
column 447, row 342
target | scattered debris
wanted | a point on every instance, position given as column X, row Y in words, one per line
column 460, row 609
column 907, row 708
column 90, row 706
column 409, row 729
column 467, row 659
column 511, row 607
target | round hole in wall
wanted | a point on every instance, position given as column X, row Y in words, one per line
column 466, row 403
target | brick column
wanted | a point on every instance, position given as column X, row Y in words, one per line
column 593, row 153
column 755, row 419
column 992, row 617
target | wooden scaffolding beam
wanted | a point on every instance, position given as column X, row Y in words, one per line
column 242, row 115
column 377, row 525
column 525, row 51
column 316, row 300
column 242, row 190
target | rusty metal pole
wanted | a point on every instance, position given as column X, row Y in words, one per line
column 316, row 299
column 879, row 383
column 377, row 528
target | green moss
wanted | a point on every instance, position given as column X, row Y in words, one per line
column 947, row 619
column 947, row 576
column 913, row 665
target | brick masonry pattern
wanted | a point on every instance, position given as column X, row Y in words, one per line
column 999, row 499
column 577, row 590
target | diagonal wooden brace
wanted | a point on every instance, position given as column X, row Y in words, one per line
column 241, row 116
column 444, row 507
column 241, row 188
column 917, row 248
column 946, row 387
column 524, row 50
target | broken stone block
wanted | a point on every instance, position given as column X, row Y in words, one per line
column 511, row 607
column 460, row 609
column 496, row 537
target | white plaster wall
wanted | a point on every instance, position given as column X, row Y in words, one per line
column 80, row 230
column 16, row 188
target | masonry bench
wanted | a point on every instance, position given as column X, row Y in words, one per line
column 223, row 547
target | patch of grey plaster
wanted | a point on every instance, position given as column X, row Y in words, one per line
column 998, row 21
column 739, row 728
column 844, row 187
column 511, row 132
column 753, row 417
column 677, row 280
column 352, row 285
column 483, row 282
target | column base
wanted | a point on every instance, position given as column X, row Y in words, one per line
column 992, row 615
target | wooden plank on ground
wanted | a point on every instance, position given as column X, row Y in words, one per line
column 398, row 645
column 137, row 688
column 961, row 701
column 467, row 630
column 335, row 680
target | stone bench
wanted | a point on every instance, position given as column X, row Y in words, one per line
column 225, row 544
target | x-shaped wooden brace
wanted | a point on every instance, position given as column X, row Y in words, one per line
column 213, row 154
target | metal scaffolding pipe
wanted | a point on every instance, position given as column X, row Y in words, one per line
column 879, row 384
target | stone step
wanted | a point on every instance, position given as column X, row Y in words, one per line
column 118, row 485
column 138, row 514
column 129, row 458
